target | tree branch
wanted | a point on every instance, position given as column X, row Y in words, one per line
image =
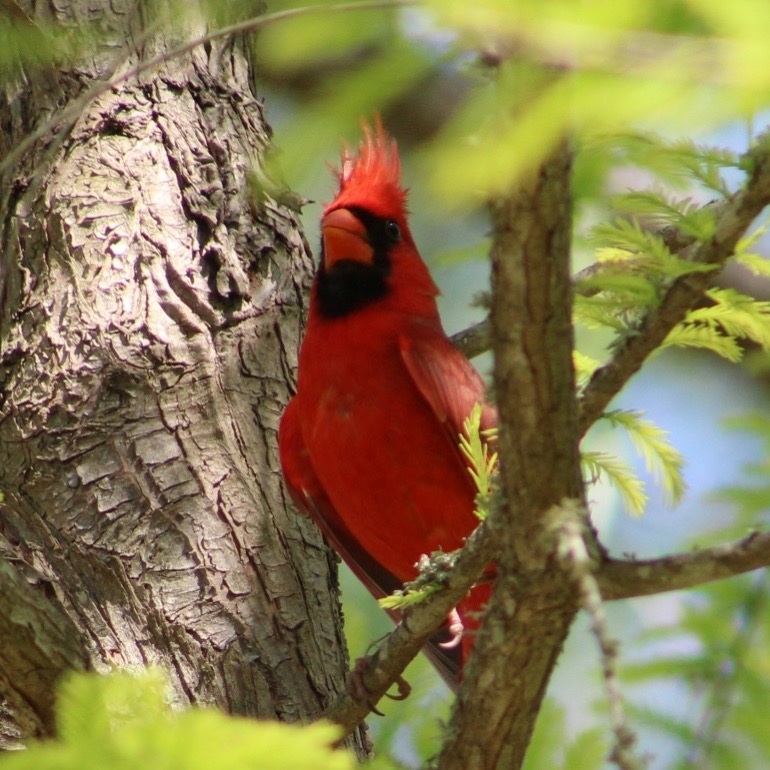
column 623, row 579
column 738, row 214
column 401, row 646
column 534, row 600
column 733, row 218
column 474, row 340
column 616, row 579
column 477, row 339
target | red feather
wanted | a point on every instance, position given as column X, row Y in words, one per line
column 369, row 445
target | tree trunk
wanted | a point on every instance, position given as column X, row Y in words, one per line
column 149, row 325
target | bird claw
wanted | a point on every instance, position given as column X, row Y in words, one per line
column 456, row 629
column 356, row 689
column 404, row 689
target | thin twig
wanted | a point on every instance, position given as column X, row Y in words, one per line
column 574, row 555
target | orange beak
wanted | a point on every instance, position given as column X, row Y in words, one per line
column 345, row 237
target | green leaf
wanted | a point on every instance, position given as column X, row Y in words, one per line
column 660, row 208
column 754, row 262
column 588, row 750
column 548, row 739
column 719, row 327
column 585, row 366
column 122, row 722
column 672, row 726
column 704, row 338
column 433, row 572
column 631, row 489
column 739, row 315
column 673, row 161
column 482, row 461
column 321, row 37
column 400, row 600
column 550, row 747
column 601, row 311
column 661, row 459
column 758, row 265
column 626, row 235
column 626, row 289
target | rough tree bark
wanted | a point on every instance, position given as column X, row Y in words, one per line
column 149, row 323
column 534, row 603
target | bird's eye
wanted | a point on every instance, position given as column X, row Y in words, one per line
column 393, row 231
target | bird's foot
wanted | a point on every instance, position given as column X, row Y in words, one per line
column 357, row 689
column 456, row 629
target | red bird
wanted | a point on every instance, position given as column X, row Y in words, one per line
column 369, row 445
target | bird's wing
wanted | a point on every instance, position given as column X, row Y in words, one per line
column 309, row 497
column 449, row 383
column 445, row 377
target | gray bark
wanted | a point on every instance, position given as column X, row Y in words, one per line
column 534, row 602
column 149, row 324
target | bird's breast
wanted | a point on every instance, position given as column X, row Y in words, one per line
column 386, row 462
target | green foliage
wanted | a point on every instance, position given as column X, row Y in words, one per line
column 433, row 573
column 704, row 338
column 665, row 65
column 757, row 264
column 676, row 162
column 647, row 67
column 718, row 651
column 585, row 366
column 635, row 261
column 609, row 311
column 122, row 722
column 549, row 749
column 482, row 461
column 643, row 250
column 314, row 39
column 414, row 591
column 598, row 464
column 721, row 327
column 660, row 208
column 661, row 459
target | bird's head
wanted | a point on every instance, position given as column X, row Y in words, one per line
column 367, row 251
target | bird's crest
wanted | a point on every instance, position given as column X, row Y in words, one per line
column 374, row 172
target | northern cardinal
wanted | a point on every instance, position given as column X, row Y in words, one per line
column 369, row 445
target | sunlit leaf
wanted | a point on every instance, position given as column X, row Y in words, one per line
column 665, row 462
column 620, row 475
column 123, row 722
